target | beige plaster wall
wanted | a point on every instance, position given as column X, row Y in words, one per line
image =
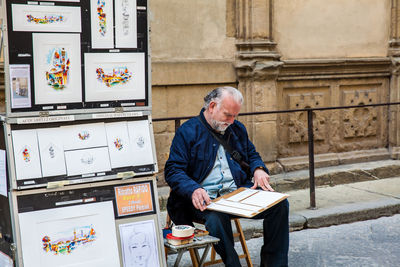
column 189, row 29
column 332, row 28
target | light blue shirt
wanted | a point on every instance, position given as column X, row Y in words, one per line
column 220, row 180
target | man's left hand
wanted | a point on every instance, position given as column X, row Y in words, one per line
column 261, row 179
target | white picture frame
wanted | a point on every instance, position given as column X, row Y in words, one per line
column 119, row 144
column 125, row 24
column 87, row 161
column 20, row 84
column 26, row 154
column 82, row 136
column 141, row 142
column 44, row 18
column 139, row 244
column 51, row 149
column 56, row 80
column 114, row 76
column 102, row 23
column 95, row 220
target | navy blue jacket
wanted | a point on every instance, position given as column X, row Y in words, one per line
column 192, row 156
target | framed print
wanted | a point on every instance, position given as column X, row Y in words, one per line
column 51, row 152
column 139, row 244
column 43, row 18
column 102, row 23
column 82, row 136
column 125, row 24
column 20, row 82
column 142, row 195
column 119, row 144
column 26, row 154
column 57, row 68
column 80, row 235
column 84, row 161
column 114, row 76
column 139, row 134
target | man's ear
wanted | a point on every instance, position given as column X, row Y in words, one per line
column 212, row 105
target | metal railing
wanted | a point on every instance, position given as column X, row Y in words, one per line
column 310, row 130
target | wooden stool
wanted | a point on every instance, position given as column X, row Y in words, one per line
column 239, row 233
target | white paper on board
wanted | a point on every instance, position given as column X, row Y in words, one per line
column 5, row 260
column 119, row 144
column 125, row 24
column 3, row 173
column 139, row 134
column 26, row 154
column 20, row 83
column 92, row 226
column 82, row 136
column 111, row 76
column 45, row 18
column 51, row 152
column 139, row 244
column 90, row 160
column 57, row 68
column 102, row 23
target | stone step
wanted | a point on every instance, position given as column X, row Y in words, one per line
column 326, row 176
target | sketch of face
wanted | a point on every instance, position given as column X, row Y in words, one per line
column 140, row 249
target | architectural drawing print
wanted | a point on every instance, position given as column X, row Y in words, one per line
column 125, row 17
column 57, row 68
column 70, row 240
column 119, row 75
column 46, row 18
column 58, row 75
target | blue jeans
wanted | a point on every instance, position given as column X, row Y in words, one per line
column 274, row 252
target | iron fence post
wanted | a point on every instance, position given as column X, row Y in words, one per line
column 311, row 157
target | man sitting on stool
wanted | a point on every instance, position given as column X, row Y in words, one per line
column 200, row 169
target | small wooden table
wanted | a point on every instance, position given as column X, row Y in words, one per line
column 199, row 242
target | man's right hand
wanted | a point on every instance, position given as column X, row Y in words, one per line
column 200, row 199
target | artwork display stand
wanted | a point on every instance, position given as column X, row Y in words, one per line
column 77, row 179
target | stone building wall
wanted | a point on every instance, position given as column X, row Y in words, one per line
column 283, row 54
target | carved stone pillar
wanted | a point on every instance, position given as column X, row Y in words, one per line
column 394, row 53
column 257, row 66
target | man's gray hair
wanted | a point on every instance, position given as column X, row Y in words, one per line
column 217, row 95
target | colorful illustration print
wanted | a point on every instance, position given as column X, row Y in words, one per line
column 101, row 16
column 26, row 154
column 84, row 135
column 118, row 143
column 67, row 244
column 45, row 19
column 119, row 76
column 57, row 76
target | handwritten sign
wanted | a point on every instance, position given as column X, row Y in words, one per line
column 134, row 199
